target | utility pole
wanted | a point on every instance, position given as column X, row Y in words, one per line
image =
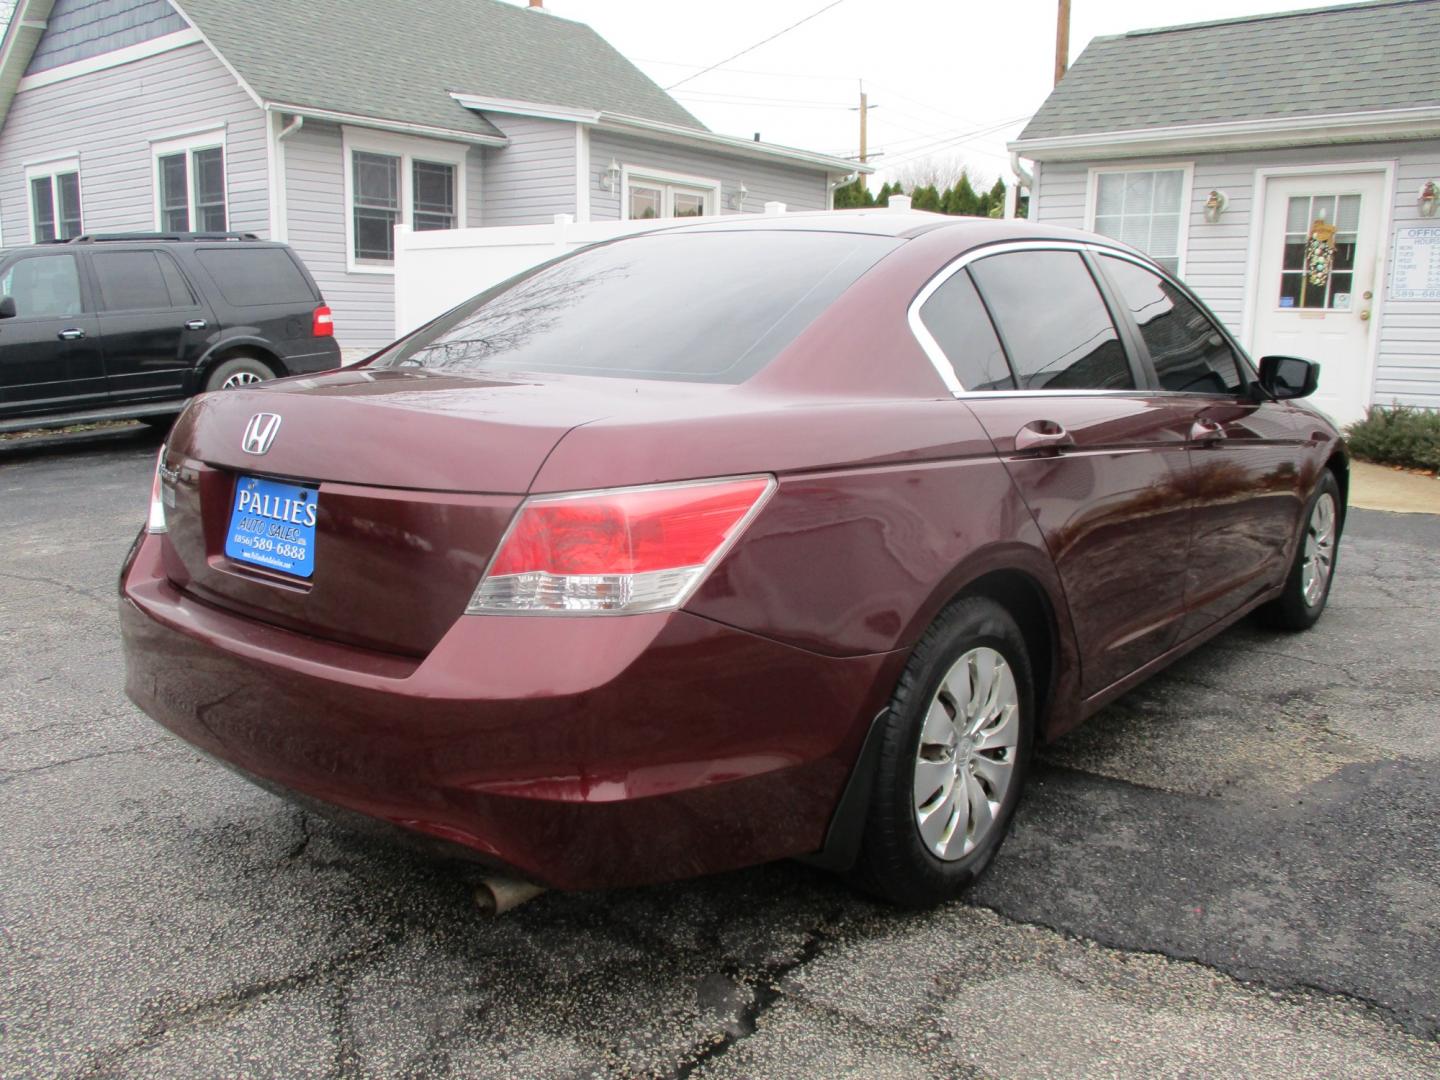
column 864, row 115
column 1062, row 41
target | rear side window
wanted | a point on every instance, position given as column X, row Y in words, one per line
column 1053, row 321
column 1189, row 353
column 252, row 277
column 700, row 307
column 957, row 321
column 139, row 281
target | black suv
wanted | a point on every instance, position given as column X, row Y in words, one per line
column 130, row 325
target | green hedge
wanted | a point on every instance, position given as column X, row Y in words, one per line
column 1397, row 436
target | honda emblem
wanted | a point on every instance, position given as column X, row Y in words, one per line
column 260, row 432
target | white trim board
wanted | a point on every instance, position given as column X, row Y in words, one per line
column 128, row 55
column 1260, row 192
column 582, row 173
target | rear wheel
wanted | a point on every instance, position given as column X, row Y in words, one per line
column 1307, row 588
column 953, row 758
column 238, row 372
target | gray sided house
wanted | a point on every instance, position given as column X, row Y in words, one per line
column 326, row 125
column 1287, row 166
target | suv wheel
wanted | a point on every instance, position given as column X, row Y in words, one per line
column 238, row 372
column 953, row 758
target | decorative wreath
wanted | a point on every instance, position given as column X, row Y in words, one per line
column 1320, row 253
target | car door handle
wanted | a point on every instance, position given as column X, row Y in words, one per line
column 1042, row 435
column 72, row 334
column 1206, row 431
column 196, row 324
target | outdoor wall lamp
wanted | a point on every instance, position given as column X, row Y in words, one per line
column 1215, row 206
column 737, row 200
column 611, row 179
column 1429, row 198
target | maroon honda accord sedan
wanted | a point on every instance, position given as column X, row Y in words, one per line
column 726, row 543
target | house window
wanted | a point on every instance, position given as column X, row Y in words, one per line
column 393, row 180
column 649, row 196
column 1143, row 208
column 55, row 201
column 190, row 183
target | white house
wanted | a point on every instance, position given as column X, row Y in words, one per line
column 327, row 125
column 1287, row 166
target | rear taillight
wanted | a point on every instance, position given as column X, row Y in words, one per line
column 617, row 552
column 322, row 323
column 156, row 521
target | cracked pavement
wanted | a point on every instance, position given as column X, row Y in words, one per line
column 1232, row 870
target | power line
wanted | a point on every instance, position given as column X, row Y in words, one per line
column 945, row 144
column 748, row 71
column 752, row 48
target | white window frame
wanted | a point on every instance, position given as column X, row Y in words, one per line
column 1187, row 184
column 408, row 149
column 187, row 144
column 665, row 181
column 48, row 170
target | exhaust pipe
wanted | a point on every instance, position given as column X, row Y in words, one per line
column 497, row 895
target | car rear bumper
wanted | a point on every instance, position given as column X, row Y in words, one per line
column 579, row 752
column 323, row 355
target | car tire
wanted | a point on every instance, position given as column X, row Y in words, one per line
column 1316, row 552
column 238, row 371
column 901, row 857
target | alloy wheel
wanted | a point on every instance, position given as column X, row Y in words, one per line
column 966, row 757
column 1319, row 554
column 241, row 378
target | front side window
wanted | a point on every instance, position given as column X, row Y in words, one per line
column 1143, row 208
column 1189, row 352
column 702, row 307
column 55, row 206
column 43, row 286
column 1053, row 322
column 191, row 185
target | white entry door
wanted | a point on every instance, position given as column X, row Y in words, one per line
column 1315, row 293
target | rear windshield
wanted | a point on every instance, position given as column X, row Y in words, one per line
column 699, row 307
column 251, row 277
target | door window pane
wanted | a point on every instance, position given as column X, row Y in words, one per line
column 645, row 202
column 376, row 180
column 1318, row 258
column 1143, row 209
column 434, row 195
column 957, row 321
column 130, row 281
column 209, row 170
column 45, row 285
column 181, row 295
column 1054, row 324
column 42, row 203
column 174, row 194
column 1188, row 351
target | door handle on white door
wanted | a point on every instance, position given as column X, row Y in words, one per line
column 1365, row 315
column 1206, row 431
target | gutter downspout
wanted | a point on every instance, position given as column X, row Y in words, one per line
column 280, row 227
column 1023, row 179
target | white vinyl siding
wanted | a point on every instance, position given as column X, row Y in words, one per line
column 532, row 179
column 1407, row 368
column 110, row 118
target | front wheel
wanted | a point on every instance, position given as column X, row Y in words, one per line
column 1307, row 587
column 953, row 757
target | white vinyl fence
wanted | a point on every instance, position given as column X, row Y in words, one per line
column 436, row 270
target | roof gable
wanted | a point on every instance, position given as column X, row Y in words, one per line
column 1354, row 59
column 382, row 59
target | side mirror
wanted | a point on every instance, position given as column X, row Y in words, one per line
column 7, row 307
column 1285, row 377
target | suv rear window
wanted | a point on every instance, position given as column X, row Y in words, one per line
column 252, row 277
column 698, row 307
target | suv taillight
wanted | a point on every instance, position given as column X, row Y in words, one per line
column 322, row 324
column 617, row 552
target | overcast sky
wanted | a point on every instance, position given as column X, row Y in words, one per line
column 936, row 70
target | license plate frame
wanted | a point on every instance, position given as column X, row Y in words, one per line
column 272, row 525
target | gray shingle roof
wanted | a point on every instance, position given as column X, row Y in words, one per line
column 1356, row 58
column 399, row 61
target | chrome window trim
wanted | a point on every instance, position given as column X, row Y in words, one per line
column 941, row 363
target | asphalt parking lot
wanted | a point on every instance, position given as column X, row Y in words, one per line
column 1233, row 870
